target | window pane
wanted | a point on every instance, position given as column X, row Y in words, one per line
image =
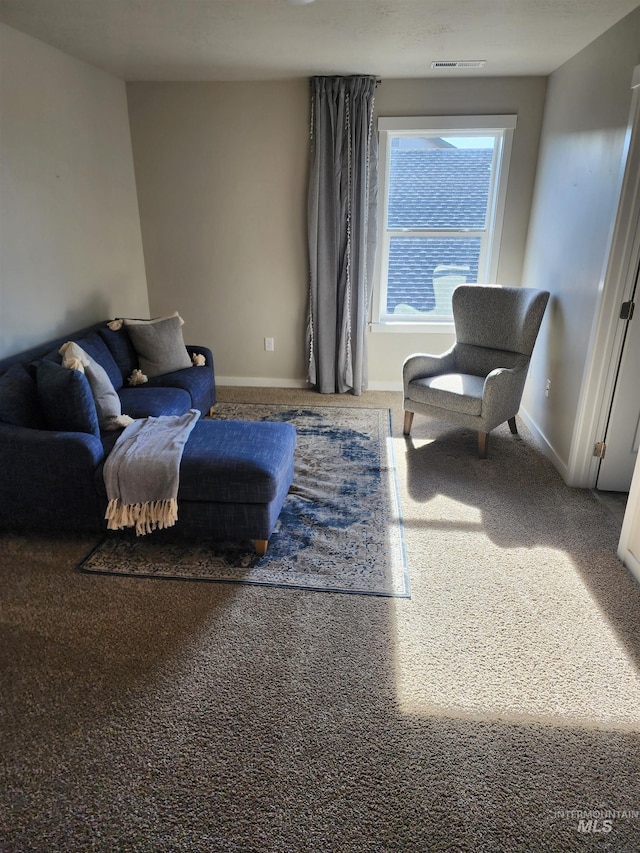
column 437, row 183
column 423, row 271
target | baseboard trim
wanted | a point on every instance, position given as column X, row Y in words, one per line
column 630, row 562
column 260, row 382
column 389, row 385
column 265, row 382
column 545, row 445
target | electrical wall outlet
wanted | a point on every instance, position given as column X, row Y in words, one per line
column 547, row 388
column 269, row 344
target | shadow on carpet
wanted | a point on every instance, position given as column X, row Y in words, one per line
column 340, row 528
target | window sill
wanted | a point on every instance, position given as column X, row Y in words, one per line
column 443, row 328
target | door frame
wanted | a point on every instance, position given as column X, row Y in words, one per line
column 615, row 420
column 615, row 287
column 630, row 525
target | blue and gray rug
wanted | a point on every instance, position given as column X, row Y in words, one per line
column 340, row 529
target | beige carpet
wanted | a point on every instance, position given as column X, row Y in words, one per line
column 496, row 710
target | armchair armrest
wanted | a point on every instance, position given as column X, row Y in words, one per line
column 502, row 393
column 419, row 365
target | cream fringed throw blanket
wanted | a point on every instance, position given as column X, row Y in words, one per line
column 142, row 473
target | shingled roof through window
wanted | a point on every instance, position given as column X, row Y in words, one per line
column 436, row 188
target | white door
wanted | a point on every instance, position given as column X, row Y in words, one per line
column 600, row 407
column 622, row 436
column 629, row 544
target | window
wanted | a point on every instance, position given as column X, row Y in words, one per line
column 443, row 186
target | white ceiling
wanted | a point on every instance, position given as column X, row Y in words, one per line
column 272, row 39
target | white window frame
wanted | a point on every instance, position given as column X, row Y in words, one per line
column 500, row 126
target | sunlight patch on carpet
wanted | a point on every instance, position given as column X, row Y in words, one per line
column 513, row 635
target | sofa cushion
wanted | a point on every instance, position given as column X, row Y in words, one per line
column 143, row 401
column 66, row 399
column 95, row 347
column 107, row 402
column 197, row 382
column 236, row 461
column 458, row 392
column 232, row 462
column 160, row 345
column 19, row 402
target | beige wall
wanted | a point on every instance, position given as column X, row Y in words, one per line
column 222, row 170
column 575, row 203
column 70, row 243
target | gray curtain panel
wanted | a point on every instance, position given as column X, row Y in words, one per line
column 342, row 222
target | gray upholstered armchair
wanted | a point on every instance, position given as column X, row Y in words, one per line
column 478, row 383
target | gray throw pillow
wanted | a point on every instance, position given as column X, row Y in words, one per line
column 160, row 345
column 107, row 402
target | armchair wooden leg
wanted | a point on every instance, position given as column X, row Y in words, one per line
column 483, row 443
column 512, row 425
column 408, row 420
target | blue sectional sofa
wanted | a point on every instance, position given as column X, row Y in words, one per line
column 234, row 476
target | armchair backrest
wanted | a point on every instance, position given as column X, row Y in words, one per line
column 496, row 326
column 503, row 318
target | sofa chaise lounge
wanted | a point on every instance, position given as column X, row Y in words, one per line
column 234, row 475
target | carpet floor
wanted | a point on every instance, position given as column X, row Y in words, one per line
column 498, row 709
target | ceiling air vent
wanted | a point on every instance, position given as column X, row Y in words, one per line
column 459, row 63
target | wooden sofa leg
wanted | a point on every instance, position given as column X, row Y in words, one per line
column 408, row 420
column 483, row 443
column 261, row 546
column 512, row 425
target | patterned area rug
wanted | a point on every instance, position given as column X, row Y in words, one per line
column 340, row 528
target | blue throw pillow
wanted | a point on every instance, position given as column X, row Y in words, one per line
column 121, row 349
column 66, row 399
column 19, row 402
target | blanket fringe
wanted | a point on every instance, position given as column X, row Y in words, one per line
column 145, row 517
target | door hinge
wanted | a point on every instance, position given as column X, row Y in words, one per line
column 599, row 449
column 626, row 310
